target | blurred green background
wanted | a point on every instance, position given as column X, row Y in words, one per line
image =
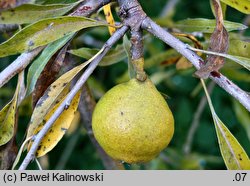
column 184, row 95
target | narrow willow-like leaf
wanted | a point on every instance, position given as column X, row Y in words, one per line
column 8, row 118
column 53, row 94
column 58, row 129
column 38, row 65
column 29, row 13
column 113, row 56
column 44, row 32
column 109, row 18
column 245, row 62
column 206, row 25
column 241, row 5
column 232, row 152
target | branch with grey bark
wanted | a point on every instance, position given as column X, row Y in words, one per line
column 235, row 91
column 65, row 104
column 26, row 58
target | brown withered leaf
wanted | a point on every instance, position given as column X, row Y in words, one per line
column 49, row 74
column 218, row 43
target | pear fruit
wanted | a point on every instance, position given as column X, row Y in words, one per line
column 132, row 122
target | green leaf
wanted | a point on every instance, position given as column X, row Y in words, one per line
column 45, row 32
column 29, row 13
column 113, row 56
column 232, row 152
column 243, row 116
column 241, row 5
column 38, row 65
column 206, row 25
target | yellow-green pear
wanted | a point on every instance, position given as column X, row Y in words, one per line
column 132, row 122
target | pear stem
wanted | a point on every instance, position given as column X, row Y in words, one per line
column 139, row 68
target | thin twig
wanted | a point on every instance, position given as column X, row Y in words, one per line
column 239, row 94
column 64, row 105
column 196, row 120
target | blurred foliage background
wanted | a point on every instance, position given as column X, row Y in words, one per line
column 183, row 91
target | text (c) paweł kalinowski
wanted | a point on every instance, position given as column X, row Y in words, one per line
column 61, row 177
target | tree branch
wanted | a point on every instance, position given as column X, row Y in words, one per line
column 64, row 105
column 88, row 7
column 18, row 65
column 239, row 94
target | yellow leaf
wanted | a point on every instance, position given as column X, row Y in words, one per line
column 52, row 95
column 8, row 118
column 232, row 152
column 58, row 129
column 109, row 17
column 241, row 5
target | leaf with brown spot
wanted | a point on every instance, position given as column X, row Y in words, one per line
column 218, row 43
column 29, row 13
column 59, row 128
column 241, row 5
column 232, row 152
column 8, row 117
column 109, row 17
column 44, row 32
column 52, row 96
